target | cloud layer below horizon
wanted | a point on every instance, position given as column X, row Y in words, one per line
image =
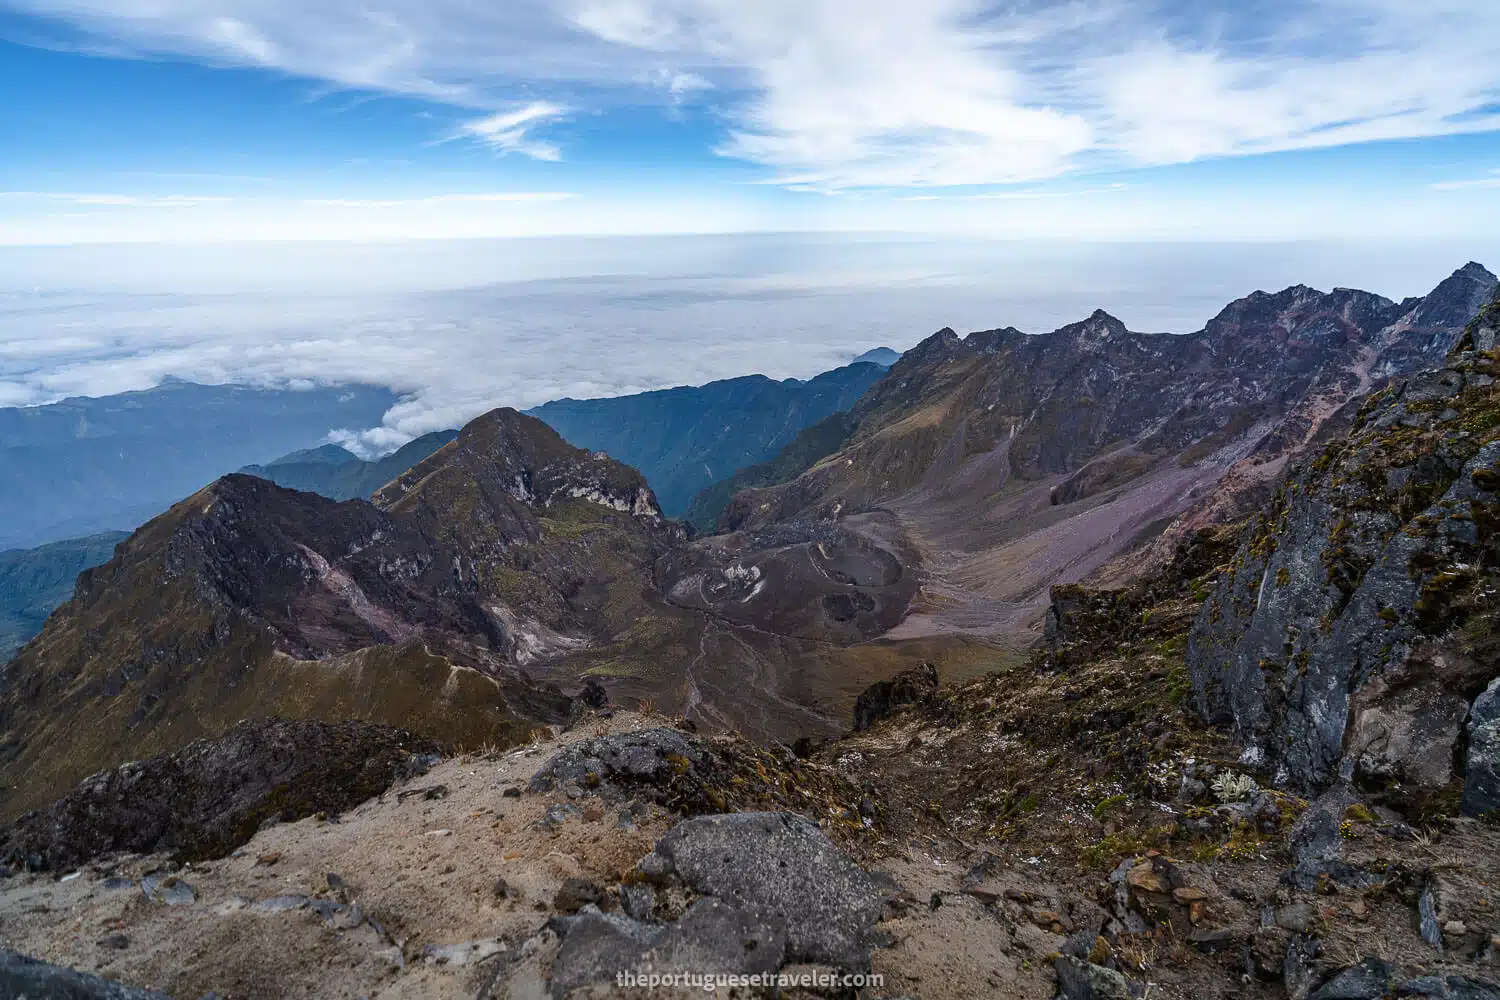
column 463, row 327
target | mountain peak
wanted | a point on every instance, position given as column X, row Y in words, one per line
column 1096, row 330
column 1456, row 298
column 882, row 356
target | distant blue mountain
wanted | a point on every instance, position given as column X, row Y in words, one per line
column 340, row 474
column 86, row 464
column 687, row 438
column 35, row 581
column 882, row 356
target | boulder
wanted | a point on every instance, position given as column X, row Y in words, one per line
column 782, row 867
column 23, row 977
column 714, row 937
column 1482, row 769
column 1080, row 980
column 1369, row 980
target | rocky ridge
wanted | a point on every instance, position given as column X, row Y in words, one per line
column 422, row 609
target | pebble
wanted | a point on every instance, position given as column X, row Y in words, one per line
column 168, row 889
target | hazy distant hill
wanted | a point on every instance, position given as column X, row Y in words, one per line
column 339, row 474
column 84, row 465
column 35, row 581
column 687, row 438
column 882, row 356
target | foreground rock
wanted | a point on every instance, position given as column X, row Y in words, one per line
column 23, row 978
column 782, row 865
column 211, row 796
column 768, row 889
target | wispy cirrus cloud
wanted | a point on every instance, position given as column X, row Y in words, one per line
column 488, row 197
column 1491, row 181
column 846, row 94
column 510, row 131
column 109, row 200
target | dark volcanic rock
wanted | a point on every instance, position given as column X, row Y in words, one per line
column 206, row 799
column 1080, row 980
column 649, row 762
column 777, row 866
column 1482, row 773
column 1369, row 980
column 881, row 699
column 1358, row 618
column 26, row 978
column 714, row 937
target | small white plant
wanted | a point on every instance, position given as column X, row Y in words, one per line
column 1231, row 786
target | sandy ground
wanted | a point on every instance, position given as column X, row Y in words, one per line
column 422, row 864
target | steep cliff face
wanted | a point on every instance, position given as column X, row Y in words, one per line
column 1360, row 620
column 422, row 609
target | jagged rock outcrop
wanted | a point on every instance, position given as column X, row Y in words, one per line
column 1359, row 620
column 209, row 797
column 881, row 699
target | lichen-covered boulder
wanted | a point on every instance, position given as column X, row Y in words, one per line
column 783, row 867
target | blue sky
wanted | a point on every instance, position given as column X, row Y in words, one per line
column 1096, row 119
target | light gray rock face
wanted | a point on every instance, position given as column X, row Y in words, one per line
column 780, row 866
column 24, row 978
column 623, row 763
column 712, row 938
column 1336, row 643
column 1482, row 774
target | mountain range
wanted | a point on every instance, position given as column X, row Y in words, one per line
column 747, row 417
column 35, row 581
column 85, row 465
column 688, row 438
column 1088, row 664
column 930, row 525
column 339, row 474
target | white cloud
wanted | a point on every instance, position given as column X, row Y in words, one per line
column 840, row 94
column 1492, row 181
column 490, row 197
column 115, row 200
column 591, row 317
column 507, row 131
